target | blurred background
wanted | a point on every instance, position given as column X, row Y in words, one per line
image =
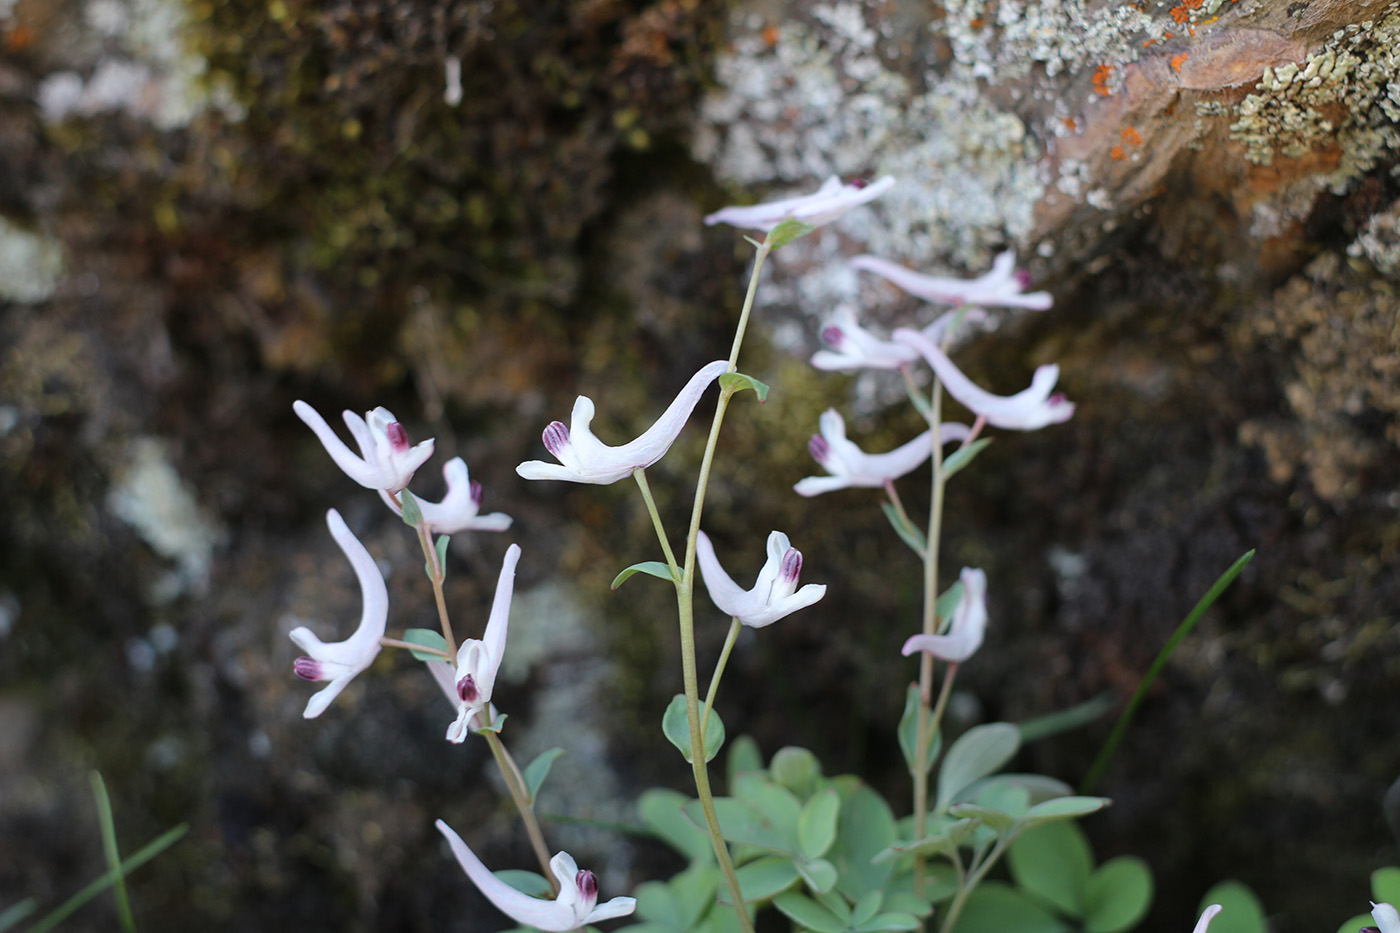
column 210, row 208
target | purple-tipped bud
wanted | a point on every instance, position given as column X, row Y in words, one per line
column 833, row 337
column 791, row 567
column 819, row 449
column 307, row 668
column 1023, row 278
column 857, row 183
column 587, row 885
column 476, row 493
column 556, row 437
column 1057, row 399
column 466, row 689
column 398, row 437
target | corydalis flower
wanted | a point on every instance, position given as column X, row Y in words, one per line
column 854, row 347
column 1027, row 410
column 478, row 660
column 965, row 631
column 340, row 661
column 585, row 459
column 386, row 462
column 850, row 466
column 575, row 905
column 1003, row 287
column 827, row 203
column 1386, row 916
column 773, row 596
column 459, row 509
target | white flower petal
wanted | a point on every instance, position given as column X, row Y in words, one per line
column 999, row 288
column 824, row 205
column 772, row 596
column 385, row 464
column 1386, row 916
column 851, row 467
column 550, row 916
column 1207, row 916
column 480, row 659
column 967, row 627
column 459, row 508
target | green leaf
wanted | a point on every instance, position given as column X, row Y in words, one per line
column 1053, row 723
column 963, row 456
column 653, row 568
column 866, row 826
column 1353, row 925
column 977, row 753
column 945, row 835
column 526, row 882
column 676, row 725
column 867, row 906
column 536, row 771
column 428, row 639
column 1242, row 914
column 1120, row 728
column 1385, row 885
column 743, row 756
column 996, row 907
column 909, row 534
column 816, row 826
column 819, row 874
column 778, row 805
column 1063, row 808
column 1053, row 863
column 1117, row 895
column 441, row 545
column 738, row 382
column 797, row 769
column 987, row 816
column 1038, row 787
column 889, row 922
column 762, row 878
column 17, row 912
column 676, row 905
column 909, row 730
column 663, row 812
column 785, row 232
column 741, row 822
column 412, row 515
column 808, row 913
column 948, row 600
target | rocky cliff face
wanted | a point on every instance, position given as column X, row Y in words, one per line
column 212, row 208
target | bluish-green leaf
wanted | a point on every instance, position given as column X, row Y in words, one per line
column 996, row 907
column 412, row 515
column 779, row 806
column 977, row 753
column 1385, row 885
column 908, row 732
column 676, row 725
column 653, row 568
column 743, row 823
column 819, row 874
column 816, row 825
column 797, row 769
column 889, row 922
column 526, row 882
column 1117, row 895
column 738, row 382
column 963, row 456
column 865, row 827
column 1052, row 863
column 536, row 771
column 17, row 912
column 867, row 906
column 762, row 878
column 743, row 756
column 428, row 639
column 663, row 812
column 785, row 232
column 1063, row 808
column 808, row 913
column 1243, row 913
column 441, row 546
column 1053, row 723
column 909, row 534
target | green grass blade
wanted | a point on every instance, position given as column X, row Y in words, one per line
column 1033, row 730
column 111, row 852
column 1096, row 771
column 143, row 855
column 17, row 912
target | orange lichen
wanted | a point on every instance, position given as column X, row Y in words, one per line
column 19, row 39
column 1149, row 42
column 1182, row 13
column 770, row 35
column 1100, row 79
column 1177, row 60
column 1131, row 137
column 1116, row 153
column 976, row 22
column 1070, row 124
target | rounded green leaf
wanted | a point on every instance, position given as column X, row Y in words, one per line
column 743, row 756
column 816, row 825
column 1117, row 895
column 797, row 769
column 808, row 913
column 1385, row 886
column 996, row 907
column 663, row 812
column 1355, row 924
column 762, row 878
column 867, row 906
column 1242, row 913
column 676, row 725
column 1052, row 862
column 819, row 874
column 428, row 639
column 977, row 753
column 866, row 826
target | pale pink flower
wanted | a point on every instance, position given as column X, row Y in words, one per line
column 827, row 203
column 478, row 660
column 1207, row 915
column 854, row 347
column 1002, row 287
column 967, row 627
column 340, row 661
column 1027, row 410
column 851, row 467
column 775, row 593
column 576, row 904
column 460, row 507
column 585, row 459
column 386, row 460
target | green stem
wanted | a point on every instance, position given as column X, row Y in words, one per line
column 729, row 640
column 425, row 538
column 969, row 883
column 109, row 849
column 748, row 305
column 640, row 475
column 396, row 643
column 515, row 783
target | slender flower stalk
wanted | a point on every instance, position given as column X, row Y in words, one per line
column 734, row 626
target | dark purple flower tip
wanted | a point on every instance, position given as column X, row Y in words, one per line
column 819, row 449
column 1369, row 930
column 476, row 493
column 556, row 437
column 307, row 668
column 1023, row 279
column 858, row 183
column 1057, row 399
column 466, row 689
column 398, row 437
column 587, row 884
column 833, row 337
column 791, row 567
